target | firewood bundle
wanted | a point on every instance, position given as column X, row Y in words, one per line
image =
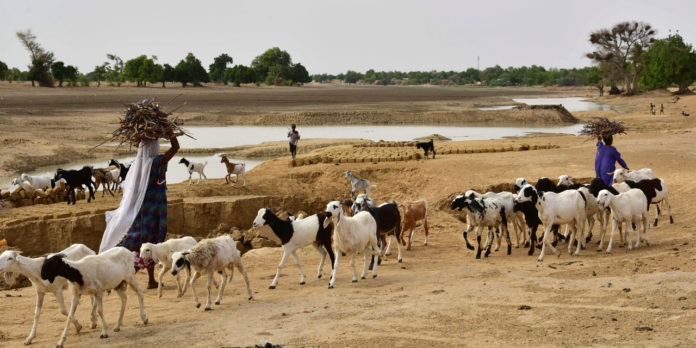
column 602, row 127
column 145, row 120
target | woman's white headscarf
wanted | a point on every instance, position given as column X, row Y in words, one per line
column 119, row 221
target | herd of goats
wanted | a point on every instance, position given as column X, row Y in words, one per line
column 348, row 228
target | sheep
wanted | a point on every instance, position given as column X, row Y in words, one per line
column 234, row 168
column 427, row 146
column 482, row 212
column 352, row 235
column 655, row 191
column 567, row 207
column 38, row 182
column 75, row 179
column 296, row 233
column 388, row 219
column 12, row 264
column 206, row 257
column 413, row 212
column 103, row 178
column 195, row 167
column 123, row 169
column 162, row 253
column 630, row 206
column 358, row 184
column 94, row 274
column 508, row 199
column 592, row 210
column 621, row 175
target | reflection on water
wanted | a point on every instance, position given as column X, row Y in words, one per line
column 571, row 104
column 228, row 136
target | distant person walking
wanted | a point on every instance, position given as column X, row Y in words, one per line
column 652, row 106
column 662, row 109
column 607, row 156
column 294, row 136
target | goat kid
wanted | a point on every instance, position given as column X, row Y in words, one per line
column 234, row 168
column 162, row 254
column 195, row 167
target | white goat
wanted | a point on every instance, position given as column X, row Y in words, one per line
column 94, row 274
column 352, row 235
column 206, row 257
column 28, row 188
column 195, row 167
column 357, row 184
column 592, row 210
column 628, row 207
column 567, row 207
column 12, row 264
column 37, row 182
column 115, row 177
column 621, row 175
column 162, row 254
column 296, row 233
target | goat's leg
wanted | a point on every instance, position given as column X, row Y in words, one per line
column 579, row 234
column 355, row 271
column 302, row 273
column 280, row 266
column 71, row 316
column 646, row 227
column 478, row 240
column 532, row 239
column 322, row 252
column 223, row 282
column 629, row 226
column 489, row 243
column 37, row 313
column 209, row 286
column 159, row 281
column 611, row 237
column 178, row 284
column 133, row 283
column 465, row 233
column 332, row 282
column 669, row 208
column 186, row 283
column 387, row 252
column 241, row 269
column 121, row 290
column 190, row 177
column 244, row 175
column 397, row 235
column 507, row 239
column 100, row 311
column 193, row 289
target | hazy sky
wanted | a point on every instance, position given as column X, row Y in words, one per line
column 331, row 36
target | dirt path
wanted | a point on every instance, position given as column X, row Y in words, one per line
column 440, row 295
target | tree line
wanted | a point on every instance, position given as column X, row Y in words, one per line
column 626, row 57
column 272, row 67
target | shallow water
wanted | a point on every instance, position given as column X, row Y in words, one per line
column 571, row 104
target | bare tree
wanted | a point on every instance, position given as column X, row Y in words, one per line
column 41, row 60
column 622, row 46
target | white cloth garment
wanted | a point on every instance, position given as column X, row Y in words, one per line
column 119, row 221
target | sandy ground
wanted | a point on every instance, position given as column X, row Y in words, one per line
column 440, row 295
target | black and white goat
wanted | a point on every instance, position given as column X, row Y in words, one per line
column 12, row 264
column 567, row 207
column 162, row 254
column 483, row 212
column 427, row 146
column 93, row 275
column 508, row 200
column 75, row 179
column 123, row 169
column 655, row 191
column 195, row 167
column 388, row 220
column 296, row 233
column 357, row 184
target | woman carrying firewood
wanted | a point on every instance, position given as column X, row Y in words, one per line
column 607, row 156
column 142, row 215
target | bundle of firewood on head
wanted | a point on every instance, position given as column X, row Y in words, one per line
column 602, row 127
column 145, row 120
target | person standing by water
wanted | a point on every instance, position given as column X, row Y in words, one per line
column 605, row 161
column 662, row 109
column 141, row 217
column 294, row 136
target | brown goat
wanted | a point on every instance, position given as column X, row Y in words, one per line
column 414, row 212
column 234, row 168
column 102, row 177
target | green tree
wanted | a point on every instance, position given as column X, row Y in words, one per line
column 668, row 62
column 99, row 73
column 113, row 73
column 352, row 77
column 14, row 75
column 218, row 68
column 165, row 73
column 240, row 74
column 3, row 71
column 41, row 60
column 622, row 46
column 298, row 74
column 141, row 70
column 190, row 70
column 60, row 72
